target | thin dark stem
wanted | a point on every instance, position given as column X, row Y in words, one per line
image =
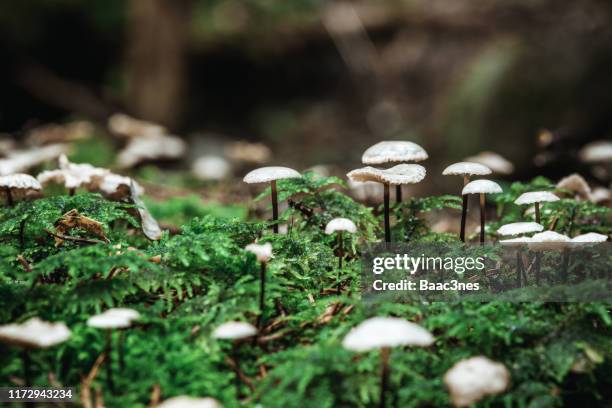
column 262, row 295
column 398, row 193
column 387, row 226
column 71, row 191
column 109, row 361
column 537, row 212
column 482, row 218
column 464, row 208
column 121, row 350
column 27, row 367
column 234, row 355
column 384, row 381
column 340, row 256
column 274, row 206
column 9, row 197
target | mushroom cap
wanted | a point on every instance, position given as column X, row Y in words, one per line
column 379, row 332
column 598, row 151
column 497, row 163
column 234, row 331
column 481, row 186
column 400, row 174
column 471, row 379
column 72, row 175
column 124, row 312
column 393, row 151
column 246, row 152
column 340, row 224
column 536, row 197
column 548, row 240
column 575, row 183
column 211, row 168
column 113, row 184
column 125, row 125
column 517, row 228
column 189, row 402
column 271, row 173
column 151, row 148
column 600, row 195
column 109, row 321
column 590, row 237
column 20, row 182
column 466, row 169
column 34, row 333
column 263, row 252
column 515, row 242
column 19, row 161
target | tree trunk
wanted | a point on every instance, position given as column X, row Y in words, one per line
column 157, row 35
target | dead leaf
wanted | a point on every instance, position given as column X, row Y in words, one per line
column 150, row 226
column 72, row 219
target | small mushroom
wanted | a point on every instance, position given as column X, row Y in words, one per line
column 397, row 175
column 482, row 187
column 207, row 168
column 33, row 334
column 598, row 151
column 536, row 197
column 474, row 378
column 238, row 332
column 72, row 175
column 162, row 147
column 124, row 125
column 19, row 161
column 547, row 241
column 110, row 320
column 591, row 237
column 600, row 195
column 576, row 184
column 242, row 152
column 465, row 169
column 271, row 175
column 395, row 151
column 497, row 163
column 18, row 185
column 518, row 228
column 184, row 401
column 384, row 333
column 340, row 225
column 263, row 254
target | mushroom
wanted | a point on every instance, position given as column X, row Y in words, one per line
column 271, row 175
column 395, row 151
column 18, row 184
column 208, row 168
column 248, row 153
column 340, row 225
column 397, row 175
column 124, row 125
column 536, row 197
column 596, row 152
column 546, row 241
column 72, row 175
column 600, row 195
column 108, row 321
column 33, row 334
column 591, row 237
column 151, row 148
column 482, row 187
column 465, row 169
column 236, row 331
column 518, row 228
column 576, row 184
column 474, row 378
column 383, row 333
column 497, row 163
column 263, row 253
column 18, row 161
column 184, row 401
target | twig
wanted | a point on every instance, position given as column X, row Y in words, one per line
column 75, row 239
column 155, row 396
column 24, row 263
column 86, row 382
column 230, row 361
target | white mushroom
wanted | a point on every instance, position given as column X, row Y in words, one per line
column 482, row 187
column 127, row 126
column 497, row 163
column 383, row 333
column 589, row 238
column 548, row 240
column 234, row 331
column 474, row 378
column 600, row 195
column 263, row 254
column 576, row 184
column 393, row 152
column 109, row 321
column 18, row 185
column 517, row 228
column 271, row 175
column 72, row 175
column 250, row 153
column 34, row 333
column 158, row 148
column 339, row 225
column 596, row 152
column 536, row 197
column 465, row 169
column 189, row 402
column 211, row 168
column 19, row 161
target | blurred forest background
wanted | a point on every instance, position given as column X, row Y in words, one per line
column 319, row 81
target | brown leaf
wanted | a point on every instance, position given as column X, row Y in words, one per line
column 72, row 219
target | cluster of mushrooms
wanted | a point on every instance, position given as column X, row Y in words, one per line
column 468, row 380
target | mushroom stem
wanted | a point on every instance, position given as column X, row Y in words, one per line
column 274, row 206
column 121, row 350
column 464, row 208
column 109, row 361
column 27, row 365
column 9, row 197
column 398, row 193
column 482, row 218
column 537, row 212
column 262, row 295
column 384, row 381
column 71, row 191
column 387, row 226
